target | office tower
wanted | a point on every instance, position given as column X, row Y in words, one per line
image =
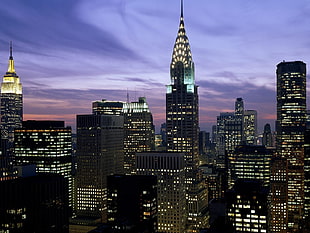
column 307, row 170
column 213, row 180
column 47, row 144
column 250, row 127
column 132, row 203
column 99, row 154
column 182, row 124
column 250, row 162
column 163, row 132
column 36, row 203
column 169, row 168
column 139, row 133
column 11, row 98
column 290, row 127
column 247, row 207
column 278, row 212
column 267, row 136
column 228, row 136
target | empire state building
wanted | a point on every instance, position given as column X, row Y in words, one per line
column 11, row 113
column 183, row 124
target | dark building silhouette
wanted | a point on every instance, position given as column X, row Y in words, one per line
column 182, row 124
column 132, row 203
column 267, row 136
column 34, row 204
column 11, row 98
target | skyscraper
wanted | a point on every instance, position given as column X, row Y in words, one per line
column 139, row 135
column 140, row 213
column 48, row 145
column 247, row 206
column 267, row 136
column 99, row 154
column 11, row 114
column 182, row 122
column 170, row 171
column 290, row 127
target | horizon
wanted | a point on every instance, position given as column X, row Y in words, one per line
column 69, row 54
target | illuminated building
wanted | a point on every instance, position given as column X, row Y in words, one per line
column 11, row 98
column 139, row 133
column 233, row 129
column 278, row 196
column 47, row 144
column 228, row 135
column 290, row 127
column 267, row 136
column 250, row 162
column 250, row 127
column 171, row 190
column 36, row 203
column 247, row 206
column 132, row 203
column 99, row 154
column 307, row 169
column 182, row 125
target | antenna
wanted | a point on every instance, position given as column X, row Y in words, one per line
column 11, row 51
column 182, row 8
column 127, row 96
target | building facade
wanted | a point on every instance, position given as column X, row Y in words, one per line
column 171, row 189
column 11, row 98
column 139, row 132
column 99, row 154
column 290, row 127
column 47, row 144
column 247, row 206
column 250, row 162
column 140, row 213
column 182, row 124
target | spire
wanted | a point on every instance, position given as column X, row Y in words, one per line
column 181, row 8
column 11, row 68
column 181, row 51
column 11, row 53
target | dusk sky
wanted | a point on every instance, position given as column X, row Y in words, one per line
column 69, row 53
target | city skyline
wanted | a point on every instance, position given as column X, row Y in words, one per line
column 121, row 47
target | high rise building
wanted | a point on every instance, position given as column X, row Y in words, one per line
column 233, row 129
column 290, row 127
column 247, row 207
column 132, row 203
column 250, row 162
column 34, row 203
column 307, row 173
column 139, row 133
column 11, row 98
column 267, row 136
column 182, row 124
column 250, row 127
column 47, row 144
column 171, row 190
column 99, row 154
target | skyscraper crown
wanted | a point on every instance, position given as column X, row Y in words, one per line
column 181, row 51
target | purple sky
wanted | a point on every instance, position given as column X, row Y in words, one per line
column 69, row 53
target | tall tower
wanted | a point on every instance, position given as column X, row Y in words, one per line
column 182, row 120
column 11, row 111
column 291, row 125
